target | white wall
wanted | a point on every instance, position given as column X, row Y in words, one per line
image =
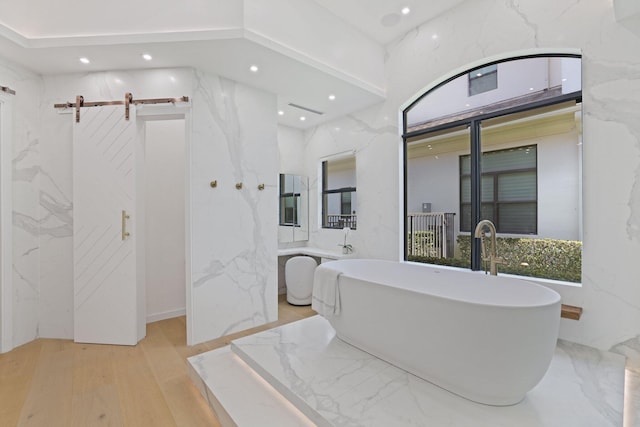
column 233, row 242
column 372, row 135
column 165, row 223
column 6, row 221
column 467, row 35
column 234, row 239
column 611, row 184
column 28, row 200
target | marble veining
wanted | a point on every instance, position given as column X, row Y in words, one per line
column 473, row 30
column 235, row 282
column 611, row 139
column 516, row 7
column 338, row 384
column 26, row 181
column 631, row 349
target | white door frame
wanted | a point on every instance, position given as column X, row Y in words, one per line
column 6, row 223
column 181, row 111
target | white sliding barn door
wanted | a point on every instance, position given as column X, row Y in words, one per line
column 108, row 275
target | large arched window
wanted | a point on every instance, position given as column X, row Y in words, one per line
column 501, row 142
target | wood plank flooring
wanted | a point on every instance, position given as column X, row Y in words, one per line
column 59, row 383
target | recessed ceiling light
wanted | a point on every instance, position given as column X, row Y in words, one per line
column 84, row 60
column 564, row 80
column 117, row 80
column 332, row 97
column 405, row 10
column 303, row 118
column 147, row 57
column 479, row 74
column 172, row 79
column 467, row 105
column 254, row 68
column 530, row 88
column 434, row 36
column 281, row 113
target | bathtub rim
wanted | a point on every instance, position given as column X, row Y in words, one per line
column 557, row 298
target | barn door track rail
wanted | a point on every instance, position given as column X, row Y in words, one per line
column 128, row 100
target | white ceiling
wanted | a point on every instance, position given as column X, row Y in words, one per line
column 31, row 40
column 382, row 20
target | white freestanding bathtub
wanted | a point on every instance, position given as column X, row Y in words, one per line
column 489, row 339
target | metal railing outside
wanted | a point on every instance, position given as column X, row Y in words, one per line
column 341, row 221
column 430, row 235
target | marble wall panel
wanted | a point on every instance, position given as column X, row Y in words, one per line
column 234, row 237
column 233, row 232
column 611, row 166
column 26, row 176
column 372, row 136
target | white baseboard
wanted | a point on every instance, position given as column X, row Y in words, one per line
column 166, row 315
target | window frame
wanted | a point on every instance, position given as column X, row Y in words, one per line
column 325, row 195
column 474, row 124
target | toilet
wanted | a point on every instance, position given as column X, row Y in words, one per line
column 298, row 276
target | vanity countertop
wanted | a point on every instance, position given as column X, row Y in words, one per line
column 311, row 251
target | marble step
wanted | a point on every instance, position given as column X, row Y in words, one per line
column 301, row 374
column 238, row 396
column 336, row 384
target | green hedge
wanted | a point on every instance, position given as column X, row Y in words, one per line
column 424, row 244
column 545, row 258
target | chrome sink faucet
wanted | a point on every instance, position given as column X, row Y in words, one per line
column 493, row 259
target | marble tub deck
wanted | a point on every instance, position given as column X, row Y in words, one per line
column 336, row 384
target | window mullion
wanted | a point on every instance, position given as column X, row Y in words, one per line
column 476, row 192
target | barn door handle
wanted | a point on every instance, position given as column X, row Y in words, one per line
column 125, row 233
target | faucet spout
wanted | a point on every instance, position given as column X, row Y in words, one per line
column 479, row 233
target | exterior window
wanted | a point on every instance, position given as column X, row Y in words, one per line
column 509, row 153
column 339, row 193
column 508, row 190
column 483, row 79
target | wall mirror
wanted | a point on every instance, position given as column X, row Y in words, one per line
column 294, row 208
column 339, row 193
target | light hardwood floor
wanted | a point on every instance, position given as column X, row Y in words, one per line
column 51, row 382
